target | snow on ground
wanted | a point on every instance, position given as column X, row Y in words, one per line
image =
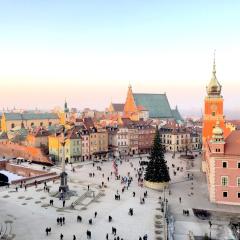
column 31, row 214
column 11, row 176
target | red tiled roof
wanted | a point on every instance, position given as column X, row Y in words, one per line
column 232, row 143
column 141, row 108
column 88, row 123
column 41, row 132
column 118, row 107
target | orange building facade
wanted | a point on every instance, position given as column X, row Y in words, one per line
column 213, row 109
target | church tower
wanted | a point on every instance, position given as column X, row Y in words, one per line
column 130, row 108
column 66, row 109
column 213, row 108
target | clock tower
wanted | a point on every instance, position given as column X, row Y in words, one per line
column 213, row 108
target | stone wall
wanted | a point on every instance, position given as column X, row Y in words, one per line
column 3, row 164
column 23, row 171
column 10, row 149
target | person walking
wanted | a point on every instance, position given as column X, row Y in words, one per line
column 63, row 219
column 95, row 214
column 180, row 200
column 74, row 237
column 61, row 236
column 63, row 203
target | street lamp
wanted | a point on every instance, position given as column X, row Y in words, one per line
column 210, row 225
column 164, row 193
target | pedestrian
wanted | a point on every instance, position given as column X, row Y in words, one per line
column 74, row 237
column 61, row 236
column 134, row 194
column 58, row 221
column 63, row 203
column 79, row 218
column 95, row 214
column 107, row 236
column 46, row 231
column 89, row 234
column 88, row 187
column 63, row 219
column 180, row 199
column 145, row 237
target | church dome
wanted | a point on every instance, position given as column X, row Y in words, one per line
column 217, row 132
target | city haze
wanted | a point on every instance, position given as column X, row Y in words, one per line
column 89, row 52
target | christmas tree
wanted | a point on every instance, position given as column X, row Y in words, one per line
column 157, row 170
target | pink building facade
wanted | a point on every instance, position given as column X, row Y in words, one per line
column 223, row 167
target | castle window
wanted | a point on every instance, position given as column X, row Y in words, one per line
column 213, row 114
column 224, row 180
column 238, row 181
column 41, row 124
column 238, row 164
column 12, row 125
column 225, row 194
column 238, row 194
column 50, row 124
column 32, row 124
column 224, row 164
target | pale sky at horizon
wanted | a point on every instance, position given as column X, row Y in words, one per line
column 89, row 51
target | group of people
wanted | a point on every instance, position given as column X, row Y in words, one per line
column 126, row 181
column 186, row 212
column 60, row 221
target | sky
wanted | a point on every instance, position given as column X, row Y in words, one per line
column 90, row 51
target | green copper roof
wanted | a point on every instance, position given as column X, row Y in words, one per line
column 30, row 116
column 176, row 114
column 13, row 116
column 157, row 104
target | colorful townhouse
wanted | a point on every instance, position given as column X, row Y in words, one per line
column 73, row 146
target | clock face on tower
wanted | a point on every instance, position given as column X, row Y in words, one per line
column 214, row 107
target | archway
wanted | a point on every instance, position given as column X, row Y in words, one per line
column 3, row 180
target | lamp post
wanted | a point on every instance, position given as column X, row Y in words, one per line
column 63, row 188
column 164, row 193
column 210, row 225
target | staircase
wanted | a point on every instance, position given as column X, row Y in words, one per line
column 6, row 230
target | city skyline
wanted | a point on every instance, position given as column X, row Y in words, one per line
column 52, row 50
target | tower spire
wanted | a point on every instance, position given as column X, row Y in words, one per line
column 214, row 63
column 214, row 87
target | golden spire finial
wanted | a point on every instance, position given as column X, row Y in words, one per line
column 214, row 63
